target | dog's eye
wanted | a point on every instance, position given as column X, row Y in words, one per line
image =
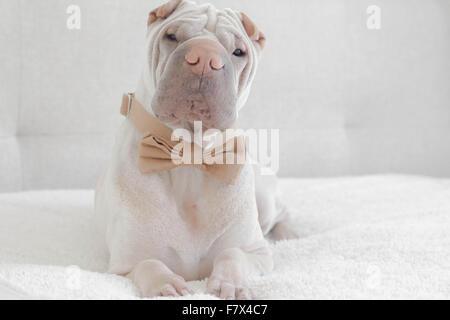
column 239, row 53
column 171, row 37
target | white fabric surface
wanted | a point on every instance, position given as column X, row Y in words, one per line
column 367, row 237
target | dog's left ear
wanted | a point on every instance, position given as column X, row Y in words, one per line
column 253, row 32
column 163, row 12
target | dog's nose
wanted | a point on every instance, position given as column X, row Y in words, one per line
column 205, row 56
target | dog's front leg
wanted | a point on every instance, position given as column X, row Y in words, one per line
column 232, row 268
column 154, row 278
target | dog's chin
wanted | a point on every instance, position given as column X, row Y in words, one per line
column 184, row 110
column 188, row 121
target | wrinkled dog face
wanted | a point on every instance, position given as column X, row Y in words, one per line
column 202, row 63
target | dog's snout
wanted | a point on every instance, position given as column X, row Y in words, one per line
column 205, row 56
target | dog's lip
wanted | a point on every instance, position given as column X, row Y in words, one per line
column 193, row 117
column 190, row 118
column 167, row 118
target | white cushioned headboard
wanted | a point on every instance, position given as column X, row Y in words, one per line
column 348, row 100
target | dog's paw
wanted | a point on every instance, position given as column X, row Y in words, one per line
column 284, row 231
column 228, row 282
column 227, row 290
column 175, row 286
column 155, row 279
column 166, row 285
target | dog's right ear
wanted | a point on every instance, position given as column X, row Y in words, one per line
column 253, row 32
column 163, row 12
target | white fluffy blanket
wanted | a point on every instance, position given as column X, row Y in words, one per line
column 366, row 237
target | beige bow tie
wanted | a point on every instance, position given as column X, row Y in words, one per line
column 157, row 152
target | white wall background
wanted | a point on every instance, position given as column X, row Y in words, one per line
column 348, row 100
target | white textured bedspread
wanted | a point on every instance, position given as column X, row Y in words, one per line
column 366, row 237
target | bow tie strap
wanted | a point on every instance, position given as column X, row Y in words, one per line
column 141, row 118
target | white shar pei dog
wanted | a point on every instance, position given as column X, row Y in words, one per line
column 166, row 224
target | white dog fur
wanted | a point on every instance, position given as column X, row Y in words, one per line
column 175, row 226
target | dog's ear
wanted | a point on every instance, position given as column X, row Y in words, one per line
column 164, row 11
column 252, row 31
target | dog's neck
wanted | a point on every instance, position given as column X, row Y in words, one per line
column 144, row 95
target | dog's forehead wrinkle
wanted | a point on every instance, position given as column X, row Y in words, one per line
column 227, row 38
column 210, row 22
column 212, row 19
